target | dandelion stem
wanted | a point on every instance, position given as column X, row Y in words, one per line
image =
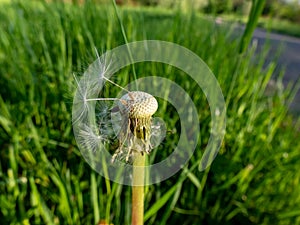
column 138, row 191
column 138, row 107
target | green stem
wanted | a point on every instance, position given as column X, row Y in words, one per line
column 138, row 189
column 255, row 12
column 125, row 40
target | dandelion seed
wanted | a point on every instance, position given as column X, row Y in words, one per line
column 158, row 132
column 89, row 138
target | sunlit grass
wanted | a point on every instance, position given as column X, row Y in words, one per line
column 5, row 1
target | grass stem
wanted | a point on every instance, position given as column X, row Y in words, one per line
column 125, row 40
column 256, row 10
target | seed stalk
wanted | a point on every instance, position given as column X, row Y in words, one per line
column 138, row 188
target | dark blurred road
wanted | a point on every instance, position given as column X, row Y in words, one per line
column 289, row 57
column 287, row 50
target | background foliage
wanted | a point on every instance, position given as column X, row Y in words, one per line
column 279, row 9
column 44, row 179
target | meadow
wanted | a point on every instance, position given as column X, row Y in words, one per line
column 44, row 179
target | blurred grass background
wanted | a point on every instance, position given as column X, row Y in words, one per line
column 43, row 178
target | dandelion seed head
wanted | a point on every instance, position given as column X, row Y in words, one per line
column 130, row 123
column 138, row 104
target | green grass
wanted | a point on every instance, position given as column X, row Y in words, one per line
column 44, row 179
column 254, row 15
